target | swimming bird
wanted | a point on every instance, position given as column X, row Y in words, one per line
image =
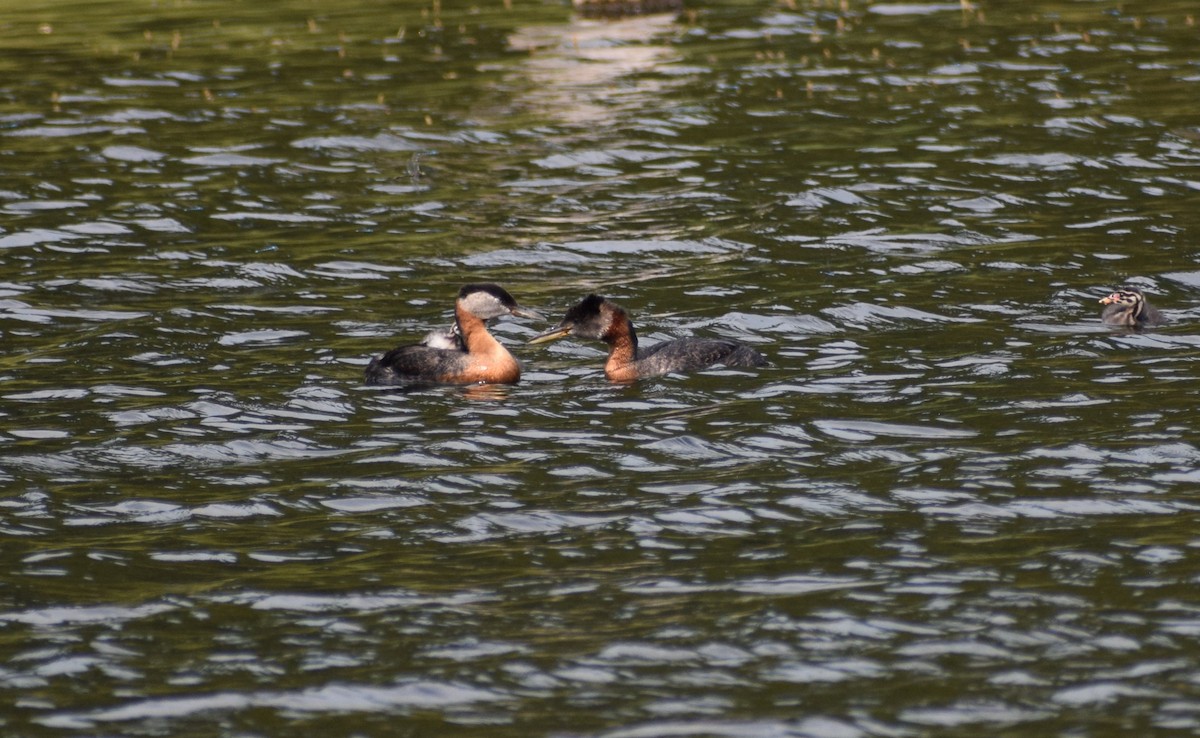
column 598, row 318
column 466, row 354
column 1128, row 307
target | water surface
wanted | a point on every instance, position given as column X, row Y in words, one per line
column 955, row 503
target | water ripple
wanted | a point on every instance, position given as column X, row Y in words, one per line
column 414, row 695
column 952, row 476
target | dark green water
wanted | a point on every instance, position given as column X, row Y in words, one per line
column 954, row 505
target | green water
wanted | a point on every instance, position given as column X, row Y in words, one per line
column 955, row 504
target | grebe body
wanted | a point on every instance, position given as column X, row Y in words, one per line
column 466, row 354
column 597, row 318
column 1128, row 307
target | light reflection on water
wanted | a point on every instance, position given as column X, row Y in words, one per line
column 954, row 501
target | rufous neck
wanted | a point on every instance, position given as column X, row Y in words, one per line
column 474, row 332
column 622, row 348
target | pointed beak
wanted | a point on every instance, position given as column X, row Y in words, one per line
column 555, row 333
column 1107, row 300
column 527, row 313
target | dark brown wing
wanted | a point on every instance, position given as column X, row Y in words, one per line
column 690, row 354
column 416, row 364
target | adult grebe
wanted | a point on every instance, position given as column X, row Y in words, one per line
column 467, row 354
column 1128, row 307
column 598, row 318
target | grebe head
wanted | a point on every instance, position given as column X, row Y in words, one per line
column 487, row 301
column 1126, row 296
column 591, row 317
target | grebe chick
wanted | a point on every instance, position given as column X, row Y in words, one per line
column 1128, row 307
column 444, row 338
column 467, row 354
column 598, row 318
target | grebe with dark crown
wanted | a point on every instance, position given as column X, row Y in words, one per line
column 1128, row 307
column 598, row 318
column 465, row 354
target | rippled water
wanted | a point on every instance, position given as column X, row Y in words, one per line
column 955, row 504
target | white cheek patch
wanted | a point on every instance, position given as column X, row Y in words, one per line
column 483, row 305
column 474, row 302
column 606, row 322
